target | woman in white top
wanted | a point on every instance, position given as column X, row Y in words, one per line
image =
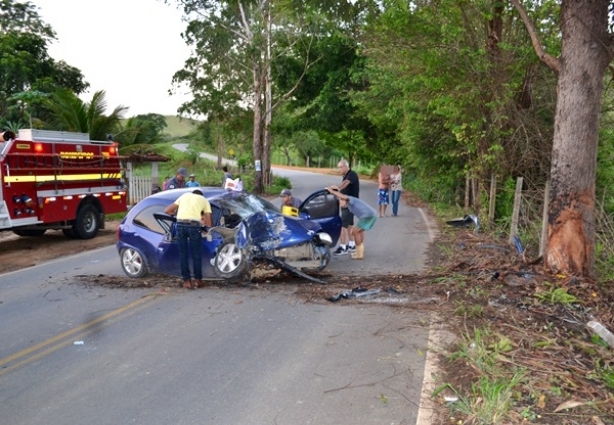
column 396, row 187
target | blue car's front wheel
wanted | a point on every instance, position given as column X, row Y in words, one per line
column 230, row 263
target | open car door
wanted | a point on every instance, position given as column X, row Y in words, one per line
column 323, row 208
column 168, row 249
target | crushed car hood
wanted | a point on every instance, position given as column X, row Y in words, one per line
column 266, row 231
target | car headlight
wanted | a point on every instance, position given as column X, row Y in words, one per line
column 323, row 238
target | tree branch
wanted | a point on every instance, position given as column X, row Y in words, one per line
column 545, row 57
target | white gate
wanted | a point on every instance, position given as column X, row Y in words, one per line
column 139, row 187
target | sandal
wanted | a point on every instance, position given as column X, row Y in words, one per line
column 187, row 284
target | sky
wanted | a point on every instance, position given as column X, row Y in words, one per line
column 128, row 48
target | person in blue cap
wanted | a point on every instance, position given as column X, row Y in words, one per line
column 288, row 200
column 178, row 181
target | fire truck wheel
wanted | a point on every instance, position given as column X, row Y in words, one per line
column 29, row 232
column 133, row 263
column 88, row 222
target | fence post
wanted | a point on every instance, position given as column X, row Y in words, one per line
column 467, row 189
column 493, row 196
column 544, row 236
column 516, row 212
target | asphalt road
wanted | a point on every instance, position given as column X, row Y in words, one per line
column 215, row 355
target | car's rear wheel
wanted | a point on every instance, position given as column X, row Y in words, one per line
column 230, row 263
column 133, row 263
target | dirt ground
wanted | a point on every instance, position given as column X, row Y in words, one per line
column 536, row 320
column 18, row 252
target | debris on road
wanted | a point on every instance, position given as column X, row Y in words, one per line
column 465, row 221
column 354, row 293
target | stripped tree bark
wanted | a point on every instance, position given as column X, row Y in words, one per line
column 585, row 55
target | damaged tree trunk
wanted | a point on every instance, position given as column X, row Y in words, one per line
column 585, row 55
column 571, row 213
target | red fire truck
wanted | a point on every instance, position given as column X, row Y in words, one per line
column 58, row 180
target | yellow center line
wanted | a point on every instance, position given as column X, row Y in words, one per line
column 82, row 329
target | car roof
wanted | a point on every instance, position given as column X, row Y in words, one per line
column 211, row 193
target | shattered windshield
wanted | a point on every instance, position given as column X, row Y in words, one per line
column 246, row 204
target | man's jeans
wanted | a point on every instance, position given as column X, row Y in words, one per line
column 396, row 195
column 193, row 248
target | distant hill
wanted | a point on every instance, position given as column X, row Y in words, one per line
column 178, row 127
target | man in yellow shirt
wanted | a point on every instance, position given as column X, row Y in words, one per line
column 193, row 210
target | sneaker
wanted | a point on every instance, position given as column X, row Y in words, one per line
column 340, row 251
column 351, row 248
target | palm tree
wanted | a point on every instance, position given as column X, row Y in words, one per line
column 140, row 134
column 72, row 114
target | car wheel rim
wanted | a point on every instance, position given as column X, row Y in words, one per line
column 229, row 258
column 132, row 261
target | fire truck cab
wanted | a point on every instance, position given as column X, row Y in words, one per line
column 58, row 180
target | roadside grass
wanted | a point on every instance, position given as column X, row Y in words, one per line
column 525, row 354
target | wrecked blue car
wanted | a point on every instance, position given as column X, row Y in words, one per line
column 247, row 230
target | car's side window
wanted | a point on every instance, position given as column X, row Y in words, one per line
column 147, row 220
column 322, row 206
column 216, row 215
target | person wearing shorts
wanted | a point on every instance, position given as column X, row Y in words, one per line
column 366, row 215
column 383, row 198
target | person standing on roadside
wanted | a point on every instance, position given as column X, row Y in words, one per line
column 383, row 195
column 396, row 187
column 193, row 211
column 226, row 176
column 349, row 186
column 366, row 219
column 178, row 181
column 192, row 182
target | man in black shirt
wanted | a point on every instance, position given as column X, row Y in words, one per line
column 349, row 186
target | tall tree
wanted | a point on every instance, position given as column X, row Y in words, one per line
column 26, row 65
column 587, row 49
column 235, row 47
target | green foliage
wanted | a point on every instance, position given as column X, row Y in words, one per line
column 279, row 183
column 555, row 295
column 605, row 373
column 139, row 133
column 472, row 311
column 491, row 395
column 364, row 170
column 70, row 113
column 505, row 198
column 26, row 65
column 490, row 400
